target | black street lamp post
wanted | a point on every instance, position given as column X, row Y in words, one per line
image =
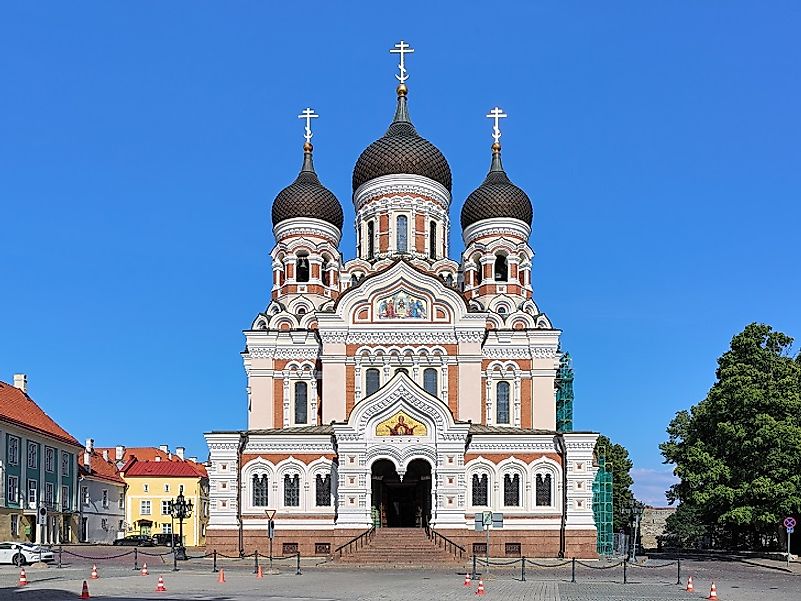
column 181, row 509
column 636, row 508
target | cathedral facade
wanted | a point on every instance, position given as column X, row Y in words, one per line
column 402, row 388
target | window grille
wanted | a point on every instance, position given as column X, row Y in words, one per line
column 511, row 490
column 480, row 490
column 370, row 240
column 260, row 488
column 373, row 381
column 301, row 404
column 323, row 490
column 432, row 240
column 543, row 490
column 402, row 232
column 502, row 403
column 292, row 490
column 430, row 381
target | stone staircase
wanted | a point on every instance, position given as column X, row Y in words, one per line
column 401, row 548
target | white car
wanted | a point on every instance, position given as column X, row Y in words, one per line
column 21, row 554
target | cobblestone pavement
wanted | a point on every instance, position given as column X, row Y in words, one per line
column 196, row 582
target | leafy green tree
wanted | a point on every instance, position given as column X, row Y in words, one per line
column 737, row 453
column 619, row 463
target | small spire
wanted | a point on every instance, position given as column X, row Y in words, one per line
column 308, row 165
column 496, row 115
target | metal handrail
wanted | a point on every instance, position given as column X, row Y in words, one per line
column 448, row 544
column 364, row 537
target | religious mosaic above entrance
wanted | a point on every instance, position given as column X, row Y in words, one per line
column 401, row 424
column 402, row 305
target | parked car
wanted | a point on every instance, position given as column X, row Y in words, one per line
column 167, row 540
column 21, row 554
column 134, row 540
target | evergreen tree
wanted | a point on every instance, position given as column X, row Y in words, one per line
column 737, row 453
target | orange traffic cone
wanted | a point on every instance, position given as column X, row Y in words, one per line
column 480, row 589
column 160, row 588
column 221, row 577
column 85, row 591
column 144, row 570
column 467, row 581
column 23, row 579
column 94, row 572
column 259, row 573
column 713, row 592
column 690, row 588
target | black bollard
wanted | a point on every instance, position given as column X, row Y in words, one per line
column 59, row 555
column 573, row 571
column 473, row 575
column 297, row 570
column 625, row 579
column 523, row 570
column 174, row 559
column 214, row 568
column 678, row 571
column 136, row 561
column 256, row 562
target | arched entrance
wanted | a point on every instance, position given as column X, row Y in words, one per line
column 401, row 503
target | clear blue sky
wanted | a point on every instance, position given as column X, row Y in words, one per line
column 141, row 145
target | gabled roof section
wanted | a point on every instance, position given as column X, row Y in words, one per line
column 165, row 469
column 18, row 408
column 100, row 468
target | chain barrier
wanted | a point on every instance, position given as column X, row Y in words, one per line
column 663, row 565
column 547, row 565
column 592, row 567
column 498, row 563
column 97, row 558
column 155, row 554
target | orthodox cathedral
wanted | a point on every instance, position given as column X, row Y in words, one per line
column 403, row 388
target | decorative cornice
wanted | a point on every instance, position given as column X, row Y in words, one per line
column 398, row 185
column 299, row 226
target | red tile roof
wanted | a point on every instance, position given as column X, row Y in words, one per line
column 18, row 408
column 100, row 468
column 181, row 469
column 138, row 455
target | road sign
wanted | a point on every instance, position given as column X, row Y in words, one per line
column 487, row 518
column 789, row 522
column 479, row 522
column 790, row 530
column 497, row 520
column 41, row 516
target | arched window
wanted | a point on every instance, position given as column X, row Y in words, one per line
column 372, row 381
column 401, row 233
column 449, row 279
column 323, row 490
column 501, row 268
column 430, row 381
column 543, row 490
column 370, row 240
column 502, row 403
column 511, row 490
column 479, row 269
column 302, row 267
column 353, row 280
column 292, row 490
column 301, row 402
column 501, row 309
column 432, row 240
column 326, row 277
column 480, row 490
column 260, row 487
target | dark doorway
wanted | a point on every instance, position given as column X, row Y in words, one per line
column 401, row 503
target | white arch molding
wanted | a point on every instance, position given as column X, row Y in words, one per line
column 359, row 447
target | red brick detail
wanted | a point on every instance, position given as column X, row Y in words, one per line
column 453, row 390
column 350, row 388
column 524, row 457
column 278, row 403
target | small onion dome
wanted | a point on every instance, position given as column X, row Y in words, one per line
column 496, row 197
column 307, row 197
column 401, row 150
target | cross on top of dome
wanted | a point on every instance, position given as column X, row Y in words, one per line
column 402, row 48
column 496, row 115
column 308, row 114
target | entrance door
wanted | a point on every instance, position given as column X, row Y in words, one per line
column 402, row 503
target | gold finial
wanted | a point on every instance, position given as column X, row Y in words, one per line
column 402, row 89
column 496, row 147
column 307, row 147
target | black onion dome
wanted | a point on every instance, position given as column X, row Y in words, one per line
column 401, row 150
column 496, row 197
column 307, row 197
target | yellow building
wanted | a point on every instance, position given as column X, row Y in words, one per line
column 154, row 477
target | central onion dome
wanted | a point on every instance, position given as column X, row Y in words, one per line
column 307, row 197
column 401, row 150
column 496, row 197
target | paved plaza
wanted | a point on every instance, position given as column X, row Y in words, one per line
column 736, row 581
